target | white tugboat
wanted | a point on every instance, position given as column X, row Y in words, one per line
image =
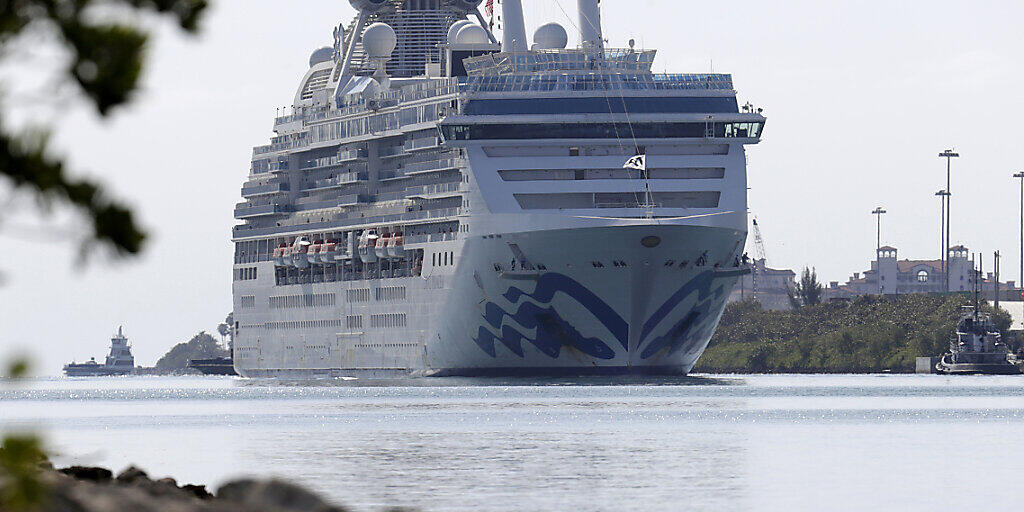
column 119, row 361
column 977, row 347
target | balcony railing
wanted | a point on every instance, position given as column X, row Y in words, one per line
column 434, row 165
column 339, row 222
column 259, row 190
column 245, row 212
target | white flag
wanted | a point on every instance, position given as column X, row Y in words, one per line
column 638, row 162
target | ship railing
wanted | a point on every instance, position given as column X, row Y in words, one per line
column 597, row 81
column 629, row 204
column 433, row 237
column 446, row 163
column 337, row 222
column 561, row 60
column 440, row 188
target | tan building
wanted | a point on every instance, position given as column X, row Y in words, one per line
column 768, row 285
column 891, row 276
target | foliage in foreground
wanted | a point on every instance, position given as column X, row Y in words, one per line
column 869, row 334
column 21, row 456
column 201, row 346
column 106, row 58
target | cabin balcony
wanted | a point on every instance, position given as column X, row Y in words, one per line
column 246, row 211
column 265, row 189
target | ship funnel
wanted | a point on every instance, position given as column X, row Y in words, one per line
column 590, row 24
column 513, row 34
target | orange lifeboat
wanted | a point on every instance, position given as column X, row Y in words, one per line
column 282, row 255
column 300, row 252
column 396, row 246
column 314, row 251
column 367, row 246
column 382, row 246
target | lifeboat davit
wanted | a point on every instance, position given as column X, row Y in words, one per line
column 396, row 246
column 367, row 246
column 300, row 252
column 282, row 255
column 347, row 249
column 382, row 246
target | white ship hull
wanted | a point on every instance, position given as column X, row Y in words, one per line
column 654, row 314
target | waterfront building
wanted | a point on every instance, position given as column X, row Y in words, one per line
column 890, row 275
column 770, row 286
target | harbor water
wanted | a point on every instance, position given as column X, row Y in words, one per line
column 801, row 442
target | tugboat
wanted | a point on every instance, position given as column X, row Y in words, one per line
column 119, row 361
column 977, row 348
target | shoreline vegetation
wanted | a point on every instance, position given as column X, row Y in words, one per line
column 870, row 334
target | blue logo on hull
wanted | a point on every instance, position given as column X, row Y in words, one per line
column 692, row 326
column 554, row 332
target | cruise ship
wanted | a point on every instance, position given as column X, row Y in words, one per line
column 441, row 200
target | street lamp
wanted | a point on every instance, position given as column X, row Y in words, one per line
column 949, row 155
column 942, row 229
column 878, row 244
column 1021, row 176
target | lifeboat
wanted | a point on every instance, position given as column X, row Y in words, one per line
column 328, row 251
column 282, row 255
column 367, row 246
column 396, row 246
column 300, row 252
column 314, row 251
column 382, row 246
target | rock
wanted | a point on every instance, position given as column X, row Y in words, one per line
column 89, row 474
column 131, row 475
column 91, row 489
column 168, row 481
column 199, row 491
column 274, row 494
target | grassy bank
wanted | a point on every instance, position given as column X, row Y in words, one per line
column 869, row 334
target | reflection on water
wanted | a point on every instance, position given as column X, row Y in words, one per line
column 661, row 443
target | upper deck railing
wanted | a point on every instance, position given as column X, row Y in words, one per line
column 599, row 81
column 539, row 61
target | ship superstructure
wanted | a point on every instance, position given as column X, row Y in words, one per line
column 437, row 202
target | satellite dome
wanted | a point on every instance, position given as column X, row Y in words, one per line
column 379, row 40
column 325, row 54
column 368, row 5
column 454, row 30
column 472, row 34
column 551, row 36
column 469, row 5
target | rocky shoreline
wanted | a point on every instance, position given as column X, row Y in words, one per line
column 96, row 489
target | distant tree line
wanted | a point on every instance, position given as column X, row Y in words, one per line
column 201, row 346
column 869, row 334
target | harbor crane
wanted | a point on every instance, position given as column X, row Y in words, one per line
column 761, row 263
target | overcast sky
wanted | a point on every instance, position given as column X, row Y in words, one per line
column 860, row 98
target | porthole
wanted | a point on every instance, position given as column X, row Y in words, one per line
column 651, row 241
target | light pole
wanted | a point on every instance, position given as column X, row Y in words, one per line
column 949, row 155
column 942, row 231
column 1021, row 176
column 878, row 212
